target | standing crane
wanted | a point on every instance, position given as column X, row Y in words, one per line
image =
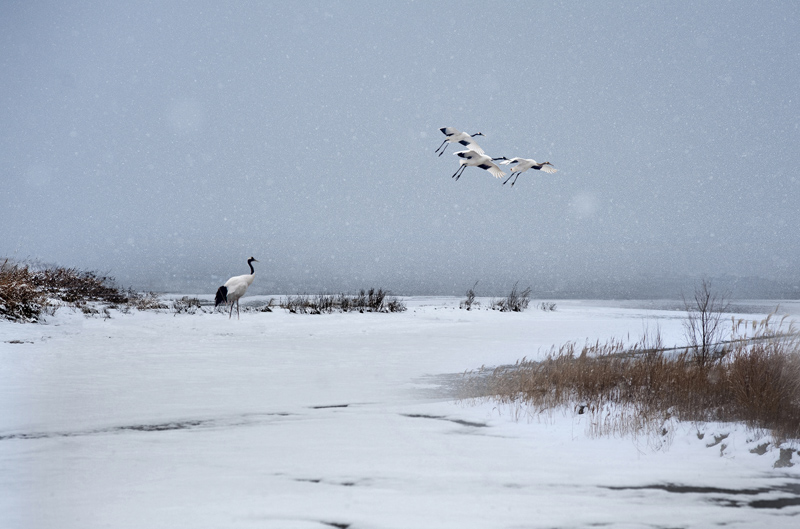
column 234, row 288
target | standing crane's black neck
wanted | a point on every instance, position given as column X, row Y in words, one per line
column 250, row 264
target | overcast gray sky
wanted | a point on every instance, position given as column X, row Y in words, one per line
column 166, row 142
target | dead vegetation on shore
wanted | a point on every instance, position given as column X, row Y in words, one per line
column 754, row 379
column 27, row 292
column 372, row 300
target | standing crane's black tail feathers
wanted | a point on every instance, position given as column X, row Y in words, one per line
column 222, row 296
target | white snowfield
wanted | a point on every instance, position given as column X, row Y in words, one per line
column 154, row 420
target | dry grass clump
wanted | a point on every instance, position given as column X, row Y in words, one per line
column 638, row 390
column 764, row 375
column 26, row 293
column 516, row 301
column 365, row 301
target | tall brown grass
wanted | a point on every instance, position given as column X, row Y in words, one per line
column 638, row 389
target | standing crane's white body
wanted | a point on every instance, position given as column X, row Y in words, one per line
column 470, row 158
column 523, row 164
column 235, row 287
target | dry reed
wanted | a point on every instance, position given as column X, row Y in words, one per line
column 638, row 390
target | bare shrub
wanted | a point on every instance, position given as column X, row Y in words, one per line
column 20, row 298
column 395, row 305
column 26, row 293
column 359, row 301
column 72, row 285
column 516, row 301
column 375, row 299
column 345, row 303
column 324, row 303
column 297, row 304
column 186, row 305
column 146, row 301
column 470, row 301
column 703, row 324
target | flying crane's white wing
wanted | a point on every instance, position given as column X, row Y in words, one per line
column 468, row 154
column 493, row 169
column 470, row 144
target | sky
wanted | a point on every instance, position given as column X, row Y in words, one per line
column 164, row 143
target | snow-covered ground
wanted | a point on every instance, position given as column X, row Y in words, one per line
column 277, row 420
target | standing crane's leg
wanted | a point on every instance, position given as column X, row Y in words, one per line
column 440, row 146
column 237, row 309
column 231, row 314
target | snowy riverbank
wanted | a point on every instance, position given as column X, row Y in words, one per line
column 281, row 420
